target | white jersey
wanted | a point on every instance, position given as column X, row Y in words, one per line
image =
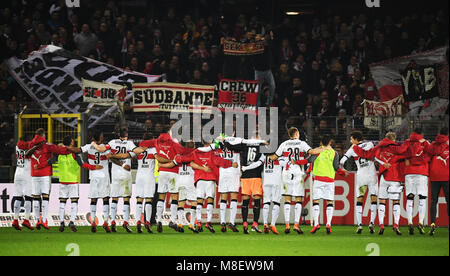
column 234, row 157
column 97, row 158
column 121, row 146
column 366, row 167
column 23, row 169
column 293, row 149
column 146, row 162
column 272, row 170
column 185, row 171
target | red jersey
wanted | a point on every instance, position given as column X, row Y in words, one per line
column 207, row 159
column 417, row 157
column 386, row 151
column 166, row 147
column 438, row 151
column 41, row 156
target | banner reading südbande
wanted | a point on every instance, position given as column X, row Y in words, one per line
column 235, row 48
column 52, row 77
column 101, row 93
column 164, row 96
column 390, row 110
column 238, row 94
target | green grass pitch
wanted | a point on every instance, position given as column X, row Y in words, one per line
column 342, row 242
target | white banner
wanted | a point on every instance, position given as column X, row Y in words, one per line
column 390, row 110
column 52, row 77
column 101, row 93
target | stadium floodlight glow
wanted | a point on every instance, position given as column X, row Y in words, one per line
column 292, row 13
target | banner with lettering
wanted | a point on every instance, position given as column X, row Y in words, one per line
column 239, row 95
column 391, row 111
column 52, row 77
column 165, row 96
column 235, row 48
column 101, row 93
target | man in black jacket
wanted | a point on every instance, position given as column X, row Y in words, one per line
column 263, row 73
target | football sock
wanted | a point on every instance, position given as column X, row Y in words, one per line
column 256, row 210
column 330, row 209
column 316, row 213
column 45, row 202
column 180, row 215
column 266, row 212
column 275, row 212
column 17, row 205
column 159, row 210
column 199, row 212
column 244, row 209
column 113, row 210
column 138, row 210
column 148, row 211
column 373, row 212
column 36, row 209
column 93, row 211
column 223, row 210
column 28, row 204
column 73, row 211
column 126, row 211
column 173, row 211
column 233, row 210
column 209, row 212
column 396, row 211
column 422, row 208
column 298, row 212
column 106, row 210
column 409, row 210
column 62, row 211
column 193, row 217
column 359, row 211
column 381, row 213
column 287, row 212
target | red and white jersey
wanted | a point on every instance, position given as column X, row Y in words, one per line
column 97, row 158
column 272, row 170
column 234, row 157
column 121, row 146
column 146, row 162
column 366, row 167
column 293, row 149
column 23, row 169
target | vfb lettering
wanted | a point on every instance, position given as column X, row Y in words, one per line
column 373, row 3
column 73, row 3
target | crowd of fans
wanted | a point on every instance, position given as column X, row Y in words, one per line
column 320, row 65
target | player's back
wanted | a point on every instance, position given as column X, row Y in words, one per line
column 250, row 153
column 146, row 162
column 234, row 157
column 366, row 167
column 23, row 168
column 121, row 146
column 272, row 170
column 97, row 158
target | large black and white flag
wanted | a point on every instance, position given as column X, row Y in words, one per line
column 52, row 77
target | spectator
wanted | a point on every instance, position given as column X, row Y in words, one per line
column 85, row 41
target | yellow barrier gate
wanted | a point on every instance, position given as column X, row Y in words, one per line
column 55, row 130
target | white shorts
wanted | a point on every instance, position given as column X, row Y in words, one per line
column 390, row 189
column 186, row 189
column 229, row 183
column 69, row 191
column 145, row 186
column 206, row 189
column 323, row 190
column 272, row 193
column 364, row 182
column 99, row 187
column 293, row 184
column 23, row 187
column 41, row 185
column 416, row 184
column 121, row 187
column 167, row 182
